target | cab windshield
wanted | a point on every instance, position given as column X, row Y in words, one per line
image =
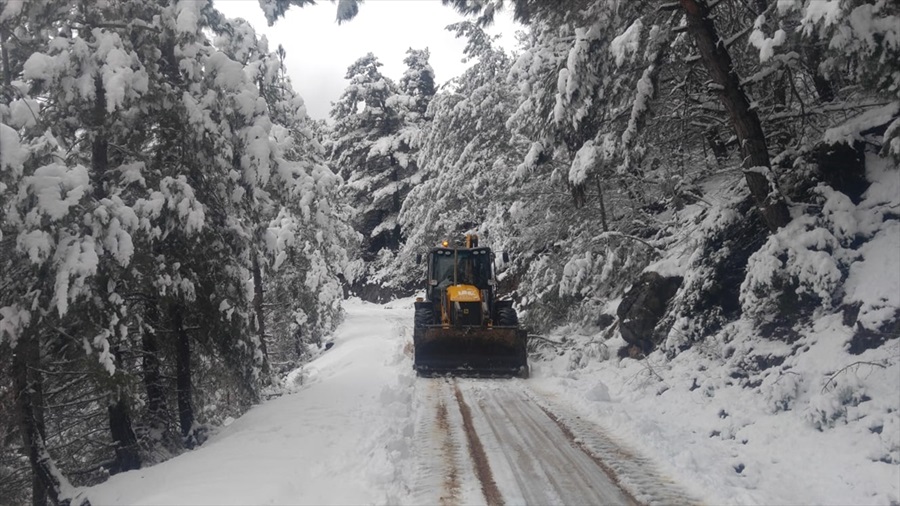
column 473, row 267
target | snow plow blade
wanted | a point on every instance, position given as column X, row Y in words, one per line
column 471, row 351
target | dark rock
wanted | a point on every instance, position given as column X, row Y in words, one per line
column 605, row 320
column 843, row 167
column 631, row 351
column 643, row 307
column 850, row 313
column 713, row 300
column 762, row 362
column 867, row 339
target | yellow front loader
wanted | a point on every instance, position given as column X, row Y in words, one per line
column 460, row 326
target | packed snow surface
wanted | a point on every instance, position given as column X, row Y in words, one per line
column 323, row 444
column 357, row 427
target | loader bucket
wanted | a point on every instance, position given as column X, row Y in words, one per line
column 471, row 351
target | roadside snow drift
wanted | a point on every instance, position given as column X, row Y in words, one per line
column 323, row 444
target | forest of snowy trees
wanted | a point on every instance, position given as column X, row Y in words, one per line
column 175, row 233
column 172, row 237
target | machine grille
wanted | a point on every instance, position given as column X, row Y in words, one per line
column 468, row 313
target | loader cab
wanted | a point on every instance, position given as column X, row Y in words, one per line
column 458, row 266
column 460, row 327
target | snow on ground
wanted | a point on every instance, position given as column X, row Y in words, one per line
column 329, row 442
column 346, row 433
column 798, row 439
column 741, row 418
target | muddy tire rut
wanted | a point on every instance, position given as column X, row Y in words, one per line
column 450, row 485
column 493, row 442
column 476, row 450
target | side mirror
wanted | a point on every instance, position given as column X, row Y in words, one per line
column 418, row 258
column 505, row 257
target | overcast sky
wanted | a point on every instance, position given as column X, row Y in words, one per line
column 319, row 50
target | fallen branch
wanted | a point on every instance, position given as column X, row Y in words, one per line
column 613, row 233
column 546, row 339
column 844, row 369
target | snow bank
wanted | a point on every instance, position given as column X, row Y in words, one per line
column 743, row 418
column 821, row 428
column 339, row 438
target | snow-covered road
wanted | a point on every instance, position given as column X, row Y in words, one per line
column 491, row 434
column 360, row 428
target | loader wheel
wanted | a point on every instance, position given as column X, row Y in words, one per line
column 424, row 316
column 507, row 317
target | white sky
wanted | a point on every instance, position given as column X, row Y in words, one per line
column 319, row 50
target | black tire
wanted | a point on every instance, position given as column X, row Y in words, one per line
column 424, row 316
column 507, row 317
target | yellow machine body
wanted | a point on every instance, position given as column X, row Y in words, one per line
column 461, row 327
column 464, row 293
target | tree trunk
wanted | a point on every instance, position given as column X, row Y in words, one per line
column 100, row 144
column 127, row 456
column 39, row 488
column 398, row 204
column 258, row 300
column 152, row 377
column 126, row 446
column 813, row 52
column 720, row 151
column 4, row 59
column 752, row 139
column 48, row 482
column 298, row 342
column 603, row 220
column 183, row 375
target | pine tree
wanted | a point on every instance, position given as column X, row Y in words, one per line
column 142, row 171
column 417, row 87
column 369, row 151
column 466, row 155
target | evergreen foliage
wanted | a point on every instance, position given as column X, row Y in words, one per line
column 374, row 142
column 167, row 218
column 624, row 114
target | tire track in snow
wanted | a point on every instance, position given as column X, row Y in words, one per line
column 429, row 446
column 476, row 452
column 525, row 481
column 547, row 468
column 497, row 442
column 443, row 473
column 450, row 486
column 636, row 474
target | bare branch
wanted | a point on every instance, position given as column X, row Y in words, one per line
column 844, row 369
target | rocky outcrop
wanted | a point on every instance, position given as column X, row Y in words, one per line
column 643, row 307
